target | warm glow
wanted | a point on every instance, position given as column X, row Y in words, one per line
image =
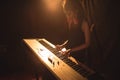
column 51, row 5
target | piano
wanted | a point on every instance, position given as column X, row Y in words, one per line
column 63, row 67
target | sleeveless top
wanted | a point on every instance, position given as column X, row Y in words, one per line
column 76, row 38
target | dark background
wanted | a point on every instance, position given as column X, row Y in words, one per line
column 28, row 19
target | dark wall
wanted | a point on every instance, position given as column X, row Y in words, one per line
column 111, row 42
column 24, row 19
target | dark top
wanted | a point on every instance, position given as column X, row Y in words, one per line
column 76, row 38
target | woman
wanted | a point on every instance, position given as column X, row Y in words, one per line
column 78, row 30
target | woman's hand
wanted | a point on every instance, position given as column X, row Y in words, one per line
column 66, row 52
column 60, row 47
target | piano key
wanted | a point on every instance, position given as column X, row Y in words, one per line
column 65, row 59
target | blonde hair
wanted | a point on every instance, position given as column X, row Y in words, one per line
column 74, row 7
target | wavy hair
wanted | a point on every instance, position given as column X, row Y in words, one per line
column 75, row 7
